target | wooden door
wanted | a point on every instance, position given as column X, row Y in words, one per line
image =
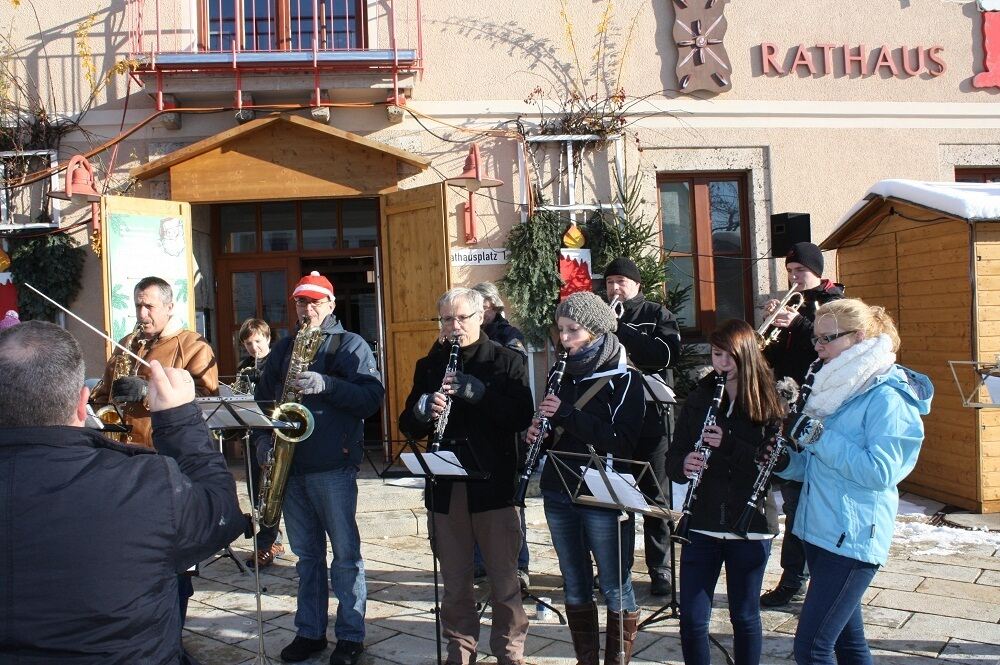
column 416, row 271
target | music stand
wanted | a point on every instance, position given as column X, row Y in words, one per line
column 432, row 465
column 607, row 488
column 242, row 413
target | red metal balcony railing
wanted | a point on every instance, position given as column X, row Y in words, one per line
column 276, row 35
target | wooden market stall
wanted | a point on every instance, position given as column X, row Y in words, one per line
column 930, row 254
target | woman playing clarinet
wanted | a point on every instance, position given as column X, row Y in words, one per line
column 871, row 412
column 598, row 408
column 749, row 407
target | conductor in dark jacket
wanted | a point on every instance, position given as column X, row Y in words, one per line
column 102, row 529
column 649, row 333
column 490, row 402
column 790, row 355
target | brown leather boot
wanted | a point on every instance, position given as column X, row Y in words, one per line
column 629, row 622
column 584, row 628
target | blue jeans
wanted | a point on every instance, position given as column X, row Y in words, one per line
column 318, row 505
column 701, row 562
column 831, row 621
column 578, row 531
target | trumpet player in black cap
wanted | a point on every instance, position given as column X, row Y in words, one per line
column 649, row 333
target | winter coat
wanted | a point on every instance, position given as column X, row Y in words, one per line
column 610, row 422
column 353, row 391
column 490, row 425
column 849, row 500
column 174, row 347
column 96, row 533
column 728, row 481
column 503, row 333
column 794, row 351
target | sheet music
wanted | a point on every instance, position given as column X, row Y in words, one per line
column 218, row 416
column 440, row 463
column 623, row 484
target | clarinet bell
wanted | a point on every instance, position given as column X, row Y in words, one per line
column 742, row 526
column 680, row 533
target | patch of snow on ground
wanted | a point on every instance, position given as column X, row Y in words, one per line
column 941, row 540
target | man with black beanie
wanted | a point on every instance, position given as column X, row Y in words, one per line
column 650, row 335
column 791, row 356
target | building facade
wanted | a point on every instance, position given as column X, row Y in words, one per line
column 727, row 114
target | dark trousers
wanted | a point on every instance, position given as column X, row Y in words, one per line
column 656, row 534
column 701, row 562
column 794, row 568
column 831, row 629
column 267, row 535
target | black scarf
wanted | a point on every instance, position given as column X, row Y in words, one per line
column 584, row 362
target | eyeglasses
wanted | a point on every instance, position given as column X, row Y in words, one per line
column 306, row 302
column 826, row 339
column 461, row 318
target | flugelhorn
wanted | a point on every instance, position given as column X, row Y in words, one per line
column 768, row 333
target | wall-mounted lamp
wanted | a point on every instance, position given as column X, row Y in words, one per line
column 81, row 186
column 472, row 180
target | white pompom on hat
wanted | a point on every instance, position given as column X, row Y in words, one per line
column 314, row 286
column 10, row 320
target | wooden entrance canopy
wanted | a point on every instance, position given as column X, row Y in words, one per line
column 930, row 254
column 282, row 157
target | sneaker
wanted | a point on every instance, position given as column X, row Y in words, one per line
column 522, row 577
column 346, row 653
column 782, row 595
column 301, row 648
column 659, row 584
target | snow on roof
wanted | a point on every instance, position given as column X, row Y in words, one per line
column 973, row 201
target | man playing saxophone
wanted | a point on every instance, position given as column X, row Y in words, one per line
column 340, row 388
column 158, row 335
column 490, row 402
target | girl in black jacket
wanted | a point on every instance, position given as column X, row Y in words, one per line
column 609, row 423
column 750, row 408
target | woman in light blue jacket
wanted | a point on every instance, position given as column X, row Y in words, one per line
column 871, row 412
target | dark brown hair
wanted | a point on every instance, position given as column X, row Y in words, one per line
column 251, row 327
column 755, row 391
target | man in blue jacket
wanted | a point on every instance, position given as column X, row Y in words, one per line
column 102, row 529
column 341, row 387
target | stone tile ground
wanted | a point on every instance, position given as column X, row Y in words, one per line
column 923, row 607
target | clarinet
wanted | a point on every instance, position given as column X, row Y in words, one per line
column 442, row 421
column 681, row 532
column 766, row 471
column 534, row 451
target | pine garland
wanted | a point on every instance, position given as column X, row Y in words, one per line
column 532, row 281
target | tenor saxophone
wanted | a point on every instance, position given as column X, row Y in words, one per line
column 289, row 409
column 122, row 365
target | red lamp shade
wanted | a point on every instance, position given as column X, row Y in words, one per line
column 79, row 181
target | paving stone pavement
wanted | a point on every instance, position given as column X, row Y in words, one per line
column 924, row 606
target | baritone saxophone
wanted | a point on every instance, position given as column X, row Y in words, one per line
column 288, row 409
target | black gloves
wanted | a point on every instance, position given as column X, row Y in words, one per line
column 802, row 430
column 129, row 389
column 468, row 388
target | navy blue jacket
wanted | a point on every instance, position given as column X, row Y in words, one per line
column 94, row 534
column 353, row 392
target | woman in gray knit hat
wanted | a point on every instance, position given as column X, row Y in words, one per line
column 599, row 406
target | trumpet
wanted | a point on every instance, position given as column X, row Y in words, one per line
column 768, row 333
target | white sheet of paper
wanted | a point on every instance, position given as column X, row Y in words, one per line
column 440, row 463
column 623, row 484
column 993, row 385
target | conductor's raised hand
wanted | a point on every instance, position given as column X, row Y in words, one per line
column 168, row 387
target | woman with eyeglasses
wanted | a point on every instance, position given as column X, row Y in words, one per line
column 750, row 407
column 870, row 409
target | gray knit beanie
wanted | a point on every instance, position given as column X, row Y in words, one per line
column 589, row 311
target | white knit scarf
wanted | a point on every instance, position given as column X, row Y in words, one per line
column 848, row 374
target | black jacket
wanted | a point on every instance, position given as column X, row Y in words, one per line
column 793, row 351
column 490, row 424
column 728, row 481
column 610, row 421
column 95, row 534
column 353, row 391
column 649, row 333
column 505, row 334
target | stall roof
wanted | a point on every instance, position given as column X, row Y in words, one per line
column 969, row 201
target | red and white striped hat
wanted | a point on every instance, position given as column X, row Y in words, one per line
column 314, row 286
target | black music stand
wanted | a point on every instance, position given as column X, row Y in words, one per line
column 242, row 413
column 592, row 484
column 445, row 464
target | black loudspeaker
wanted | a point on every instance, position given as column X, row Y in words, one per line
column 788, row 228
